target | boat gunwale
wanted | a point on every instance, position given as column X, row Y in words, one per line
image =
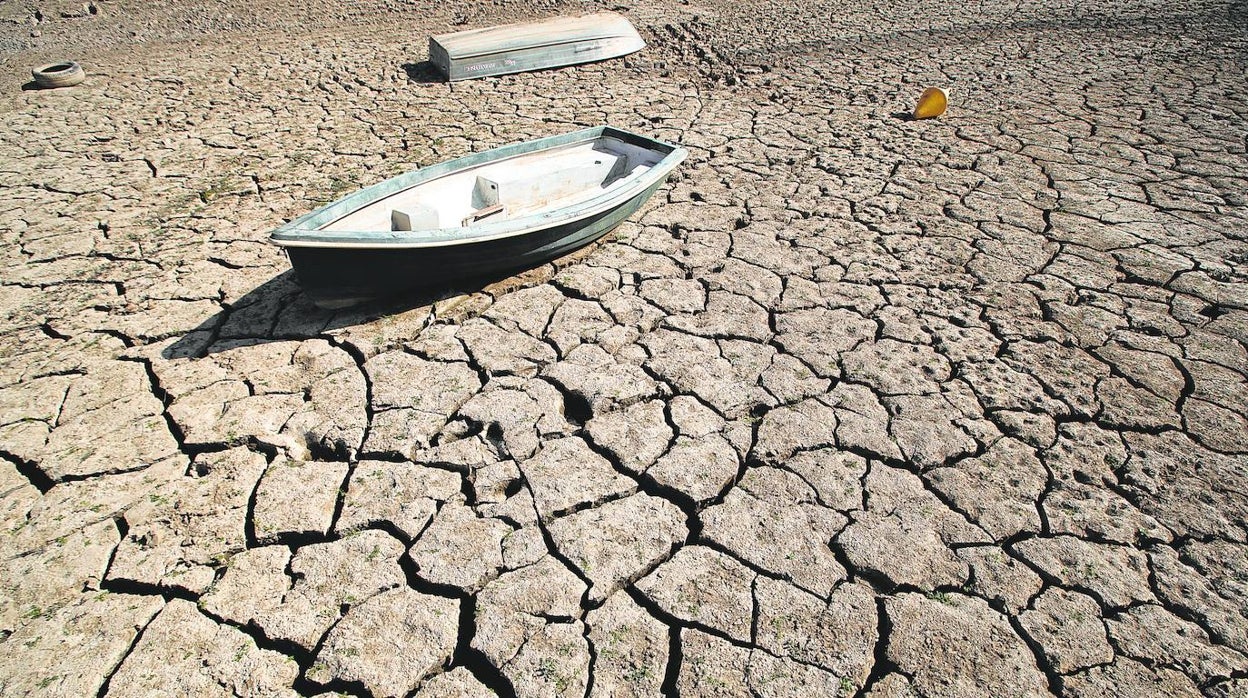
column 305, row 231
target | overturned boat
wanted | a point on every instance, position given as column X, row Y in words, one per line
column 478, row 216
column 550, row 43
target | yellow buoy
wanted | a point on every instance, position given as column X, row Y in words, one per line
column 931, row 103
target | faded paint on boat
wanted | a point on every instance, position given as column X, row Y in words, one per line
column 338, row 268
column 550, row 43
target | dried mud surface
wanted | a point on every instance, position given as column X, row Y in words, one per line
column 856, row 405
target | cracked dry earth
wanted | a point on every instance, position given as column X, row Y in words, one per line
column 856, row 406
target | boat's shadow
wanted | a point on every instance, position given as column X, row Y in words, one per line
column 278, row 311
column 423, row 72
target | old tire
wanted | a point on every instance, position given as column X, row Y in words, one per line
column 63, row 74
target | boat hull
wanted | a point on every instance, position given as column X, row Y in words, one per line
column 353, row 250
column 516, row 48
column 341, row 277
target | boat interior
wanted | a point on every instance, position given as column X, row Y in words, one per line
column 505, row 189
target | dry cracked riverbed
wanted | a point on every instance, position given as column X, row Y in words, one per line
column 856, row 406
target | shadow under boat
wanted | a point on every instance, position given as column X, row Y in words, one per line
column 279, row 311
column 424, row 72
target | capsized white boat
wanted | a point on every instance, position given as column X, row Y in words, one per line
column 549, row 43
column 500, row 210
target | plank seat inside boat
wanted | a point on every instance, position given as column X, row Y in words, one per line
column 414, row 216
